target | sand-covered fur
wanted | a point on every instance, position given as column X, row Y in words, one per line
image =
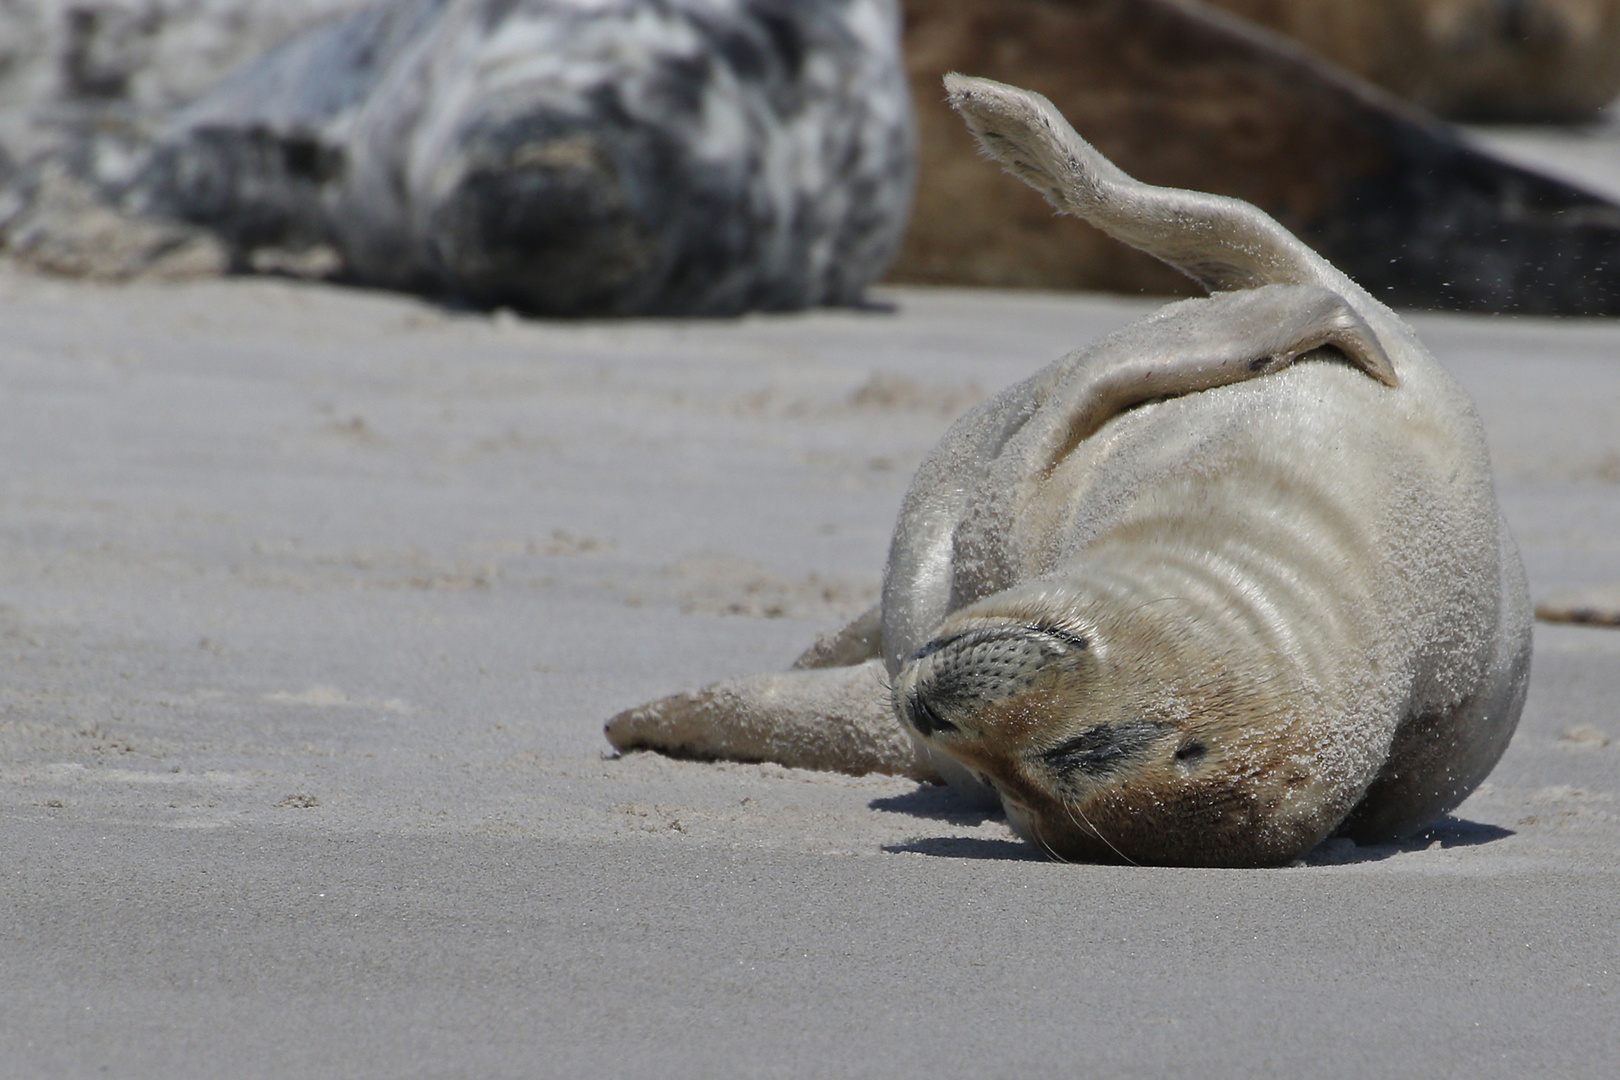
column 1208, row 591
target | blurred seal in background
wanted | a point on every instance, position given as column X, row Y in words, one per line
column 562, row 157
column 627, row 156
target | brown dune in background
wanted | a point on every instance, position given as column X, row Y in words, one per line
column 1527, row 60
column 1182, row 95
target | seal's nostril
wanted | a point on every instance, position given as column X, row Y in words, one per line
column 923, row 717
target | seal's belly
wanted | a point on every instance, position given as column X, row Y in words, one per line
column 1348, row 535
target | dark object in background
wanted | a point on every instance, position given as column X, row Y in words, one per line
column 390, row 147
column 1521, row 60
column 1181, row 95
column 619, row 158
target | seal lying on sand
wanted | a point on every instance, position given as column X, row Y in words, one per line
column 615, row 157
column 1224, row 583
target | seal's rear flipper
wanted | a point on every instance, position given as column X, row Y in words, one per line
column 1198, row 345
column 836, row 719
column 1220, row 242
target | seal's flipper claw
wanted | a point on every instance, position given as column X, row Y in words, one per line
column 836, row 719
column 1349, row 333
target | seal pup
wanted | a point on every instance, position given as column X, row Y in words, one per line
column 1221, row 585
column 564, row 157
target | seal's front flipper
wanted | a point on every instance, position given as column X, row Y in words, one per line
column 860, row 641
column 1199, row 345
column 836, row 719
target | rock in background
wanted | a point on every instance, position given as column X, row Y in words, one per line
column 1183, row 95
column 1526, row 60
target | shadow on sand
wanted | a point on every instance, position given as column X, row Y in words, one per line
column 943, row 804
column 1448, row 832
column 969, row 847
column 937, row 803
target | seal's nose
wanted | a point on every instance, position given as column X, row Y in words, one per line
column 956, row 674
column 921, row 715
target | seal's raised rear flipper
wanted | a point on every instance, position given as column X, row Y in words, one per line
column 1222, row 243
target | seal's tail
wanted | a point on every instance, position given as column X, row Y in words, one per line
column 1220, row 242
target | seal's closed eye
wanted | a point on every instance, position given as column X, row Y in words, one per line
column 1102, row 749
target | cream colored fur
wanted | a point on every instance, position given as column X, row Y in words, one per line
column 1207, row 591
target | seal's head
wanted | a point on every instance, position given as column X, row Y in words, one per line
column 1110, row 739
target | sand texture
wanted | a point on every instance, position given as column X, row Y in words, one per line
column 313, row 602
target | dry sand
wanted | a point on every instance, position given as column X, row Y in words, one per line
column 312, row 602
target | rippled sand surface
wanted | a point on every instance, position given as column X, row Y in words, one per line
column 312, row 603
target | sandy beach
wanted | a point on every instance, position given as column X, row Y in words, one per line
column 313, row 601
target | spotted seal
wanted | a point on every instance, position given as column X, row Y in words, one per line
column 1226, row 583
column 564, row 157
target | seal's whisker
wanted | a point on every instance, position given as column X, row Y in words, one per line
column 1047, row 849
column 1150, row 603
column 1072, row 809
